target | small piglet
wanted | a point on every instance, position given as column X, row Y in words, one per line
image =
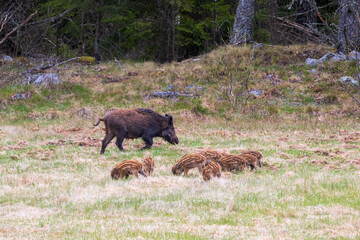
column 126, row 168
column 148, row 166
column 213, row 169
column 212, row 156
column 188, row 162
column 251, row 160
column 232, row 162
column 257, row 154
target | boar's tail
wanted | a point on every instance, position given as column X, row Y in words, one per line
column 100, row 119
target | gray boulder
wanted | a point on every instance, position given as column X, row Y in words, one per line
column 354, row 56
column 311, row 62
column 347, row 79
column 7, row 58
column 44, row 79
column 172, row 94
column 256, row 92
column 19, row 96
column 334, row 57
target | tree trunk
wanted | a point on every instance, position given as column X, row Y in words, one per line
column 97, row 31
column 349, row 26
column 243, row 29
column 305, row 12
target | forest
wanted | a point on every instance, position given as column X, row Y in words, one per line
column 166, row 30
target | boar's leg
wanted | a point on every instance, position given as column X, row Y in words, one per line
column 135, row 173
column 148, row 141
column 142, row 172
column 254, row 166
column 107, row 139
column 119, row 140
column 199, row 167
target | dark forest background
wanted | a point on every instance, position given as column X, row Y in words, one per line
column 158, row 30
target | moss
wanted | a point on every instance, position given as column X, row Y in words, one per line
column 86, row 60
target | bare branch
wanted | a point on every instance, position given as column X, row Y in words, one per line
column 17, row 27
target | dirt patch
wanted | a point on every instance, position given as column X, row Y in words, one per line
column 319, row 162
column 285, row 139
column 353, row 162
column 42, row 154
column 69, row 130
column 322, row 152
column 59, row 142
column 351, row 146
column 49, row 115
column 226, row 134
column 353, row 137
column 20, row 145
column 87, row 142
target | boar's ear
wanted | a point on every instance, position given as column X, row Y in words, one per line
column 170, row 119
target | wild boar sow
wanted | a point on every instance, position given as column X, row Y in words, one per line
column 136, row 123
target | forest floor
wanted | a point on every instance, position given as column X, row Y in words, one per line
column 55, row 184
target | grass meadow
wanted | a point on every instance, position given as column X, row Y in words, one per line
column 54, row 184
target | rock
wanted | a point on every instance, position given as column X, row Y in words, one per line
column 7, row 59
column 348, row 79
column 190, row 86
column 170, row 87
column 256, row 92
column 354, row 55
column 166, row 94
column 326, row 57
column 19, row 96
column 311, row 62
column 195, row 60
column 313, row 71
column 338, row 58
column 334, row 57
column 44, row 79
column 171, row 94
column 200, row 88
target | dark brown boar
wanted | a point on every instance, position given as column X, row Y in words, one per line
column 257, row 154
column 232, row 162
column 187, row 162
column 213, row 169
column 136, row 123
column 251, row 160
column 126, row 168
column 148, row 166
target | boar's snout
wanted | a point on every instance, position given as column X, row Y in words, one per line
column 170, row 136
column 174, row 141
